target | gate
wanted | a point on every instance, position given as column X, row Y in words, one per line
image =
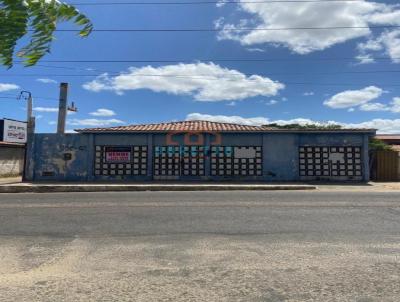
column 386, row 166
column 179, row 161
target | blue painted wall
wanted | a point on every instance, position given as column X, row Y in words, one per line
column 70, row 157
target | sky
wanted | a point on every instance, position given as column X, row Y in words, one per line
column 255, row 63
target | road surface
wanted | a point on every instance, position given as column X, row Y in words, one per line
column 200, row 246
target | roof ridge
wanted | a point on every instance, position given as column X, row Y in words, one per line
column 185, row 121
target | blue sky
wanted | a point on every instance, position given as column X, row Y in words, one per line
column 308, row 75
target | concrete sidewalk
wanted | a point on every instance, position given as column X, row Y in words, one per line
column 10, row 180
column 14, row 185
column 115, row 187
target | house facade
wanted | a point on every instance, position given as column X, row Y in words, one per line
column 200, row 150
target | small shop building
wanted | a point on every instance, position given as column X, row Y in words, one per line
column 200, row 151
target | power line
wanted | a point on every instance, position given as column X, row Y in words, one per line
column 207, row 2
column 286, row 83
column 111, row 73
column 214, row 60
column 35, row 98
column 122, row 30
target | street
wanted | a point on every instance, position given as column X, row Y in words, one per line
column 200, row 246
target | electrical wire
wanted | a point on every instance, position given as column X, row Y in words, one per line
column 207, row 2
column 242, row 29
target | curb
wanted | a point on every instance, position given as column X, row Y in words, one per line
column 142, row 188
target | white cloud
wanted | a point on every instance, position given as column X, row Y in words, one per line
column 91, row 122
column 221, row 3
column 255, row 49
column 388, row 42
column 204, row 81
column 308, row 93
column 374, row 107
column 254, row 121
column 46, row 81
column 351, row 98
column 45, row 109
column 7, row 87
column 50, row 110
column 365, row 59
column 306, row 15
column 251, row 121
column 103, row 112
column 383, row 125
column 395, row 105
column 360, row 99
column 271, row 102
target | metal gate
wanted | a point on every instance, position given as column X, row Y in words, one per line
column 175, row 161
column 121, row 160
column 386, row 166
column 236, row 161
column 330, row 161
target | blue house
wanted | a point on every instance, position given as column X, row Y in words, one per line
column 200, row 150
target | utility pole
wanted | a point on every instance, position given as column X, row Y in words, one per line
column 62, row 108
column 28, row 167
column 29, row 116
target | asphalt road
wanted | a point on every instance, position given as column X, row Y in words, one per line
column 200, row 246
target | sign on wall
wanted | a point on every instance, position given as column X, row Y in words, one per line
column 13, row 131
column 118, row 154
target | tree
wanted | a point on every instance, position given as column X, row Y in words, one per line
column 39, row 18
column 306, row 126
column 377, row 145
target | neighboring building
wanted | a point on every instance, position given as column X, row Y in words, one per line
column 386, row 165
column 201, row 150
column 390, row 139
column 13, row 131
column 12, row 157
column 13, row 136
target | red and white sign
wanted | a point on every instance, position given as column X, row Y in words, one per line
column 118, row 157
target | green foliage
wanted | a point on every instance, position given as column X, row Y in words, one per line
column 305, row 127
column 38, row 17
column 377, row 145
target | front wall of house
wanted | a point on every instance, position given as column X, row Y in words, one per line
column 234, row 156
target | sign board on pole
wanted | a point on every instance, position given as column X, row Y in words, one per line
column 13, row 131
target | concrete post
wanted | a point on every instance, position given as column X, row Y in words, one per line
column 207, row 157
column 365, row 158
column 62, row 109
column 30, row 132
column 29, row 113
column 90, row 157
column 150, row 144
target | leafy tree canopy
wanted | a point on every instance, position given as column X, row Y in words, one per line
column 377, row 145
column 39, row 18
column 305, row 127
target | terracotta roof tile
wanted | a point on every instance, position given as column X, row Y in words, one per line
column 206, row 126
column 179, row 126
column 388, row 136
